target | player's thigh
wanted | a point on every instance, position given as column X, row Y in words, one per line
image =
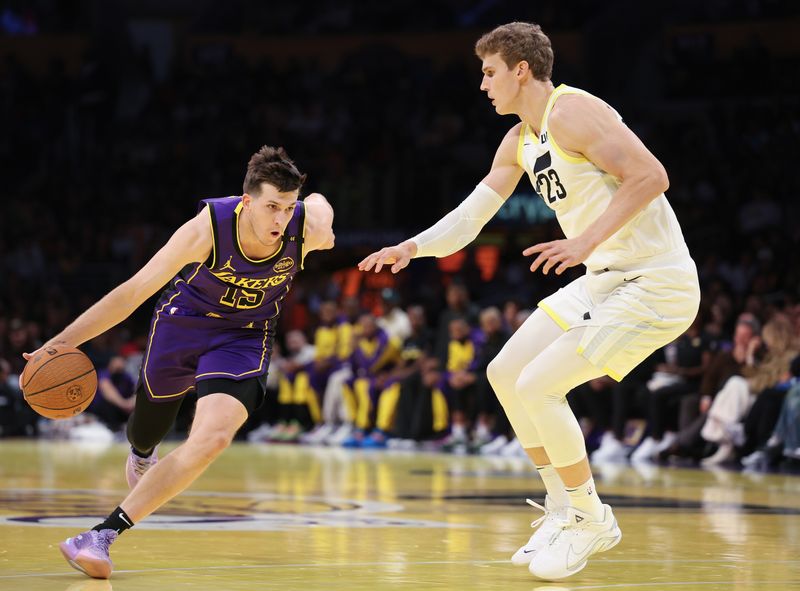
column 537, row 333
column 223, row 405
column 558, row 368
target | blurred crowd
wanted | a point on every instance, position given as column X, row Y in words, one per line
column 726, row 392
column 102, row 162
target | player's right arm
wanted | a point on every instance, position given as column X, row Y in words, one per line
column 190, row 243
column 460, row 226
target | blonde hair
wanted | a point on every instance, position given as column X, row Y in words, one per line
column 779, row 336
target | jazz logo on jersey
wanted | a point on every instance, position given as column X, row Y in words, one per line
column 283, row 265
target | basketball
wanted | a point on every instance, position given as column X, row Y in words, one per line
column 59, row 382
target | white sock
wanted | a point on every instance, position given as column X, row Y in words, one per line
column 552, row 482
column 584, row 498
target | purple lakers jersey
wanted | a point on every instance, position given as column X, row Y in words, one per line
column 231, row 285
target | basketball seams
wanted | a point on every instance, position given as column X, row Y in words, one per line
column 71, row 379
column 53, row 358
column 82, row 406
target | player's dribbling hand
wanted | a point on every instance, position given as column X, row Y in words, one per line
column 50, row 343
column 27, row 356
column 397, row 256
column 564, row 253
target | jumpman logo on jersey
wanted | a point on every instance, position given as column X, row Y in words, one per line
column 228, row 265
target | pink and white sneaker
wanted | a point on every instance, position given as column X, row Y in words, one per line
column 88, row 552
column 136, row 466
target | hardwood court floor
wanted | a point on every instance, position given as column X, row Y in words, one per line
column 266, row 517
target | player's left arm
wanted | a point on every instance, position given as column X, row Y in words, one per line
column 589, row 127
column 319, row 223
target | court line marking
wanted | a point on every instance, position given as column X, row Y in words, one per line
column 675, row 584
column 427, row 563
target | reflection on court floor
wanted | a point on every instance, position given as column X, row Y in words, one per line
column 319, row 518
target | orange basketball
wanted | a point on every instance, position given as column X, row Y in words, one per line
column 59, row 382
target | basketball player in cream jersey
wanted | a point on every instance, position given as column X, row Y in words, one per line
column 640, row 290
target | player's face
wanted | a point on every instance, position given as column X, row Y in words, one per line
column 499, row 83
column 270, row 211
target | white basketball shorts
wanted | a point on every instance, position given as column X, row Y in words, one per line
column 629, row 310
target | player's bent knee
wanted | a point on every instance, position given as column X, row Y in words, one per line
column 211, row 444
column 493, row 373
column 499, row 377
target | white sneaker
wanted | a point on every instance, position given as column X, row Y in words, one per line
column 725, row 452
column 342, row 433
column 646, row 450
column 136, row 466
column 611, row 450
column 577, row 538
column 494, row 446
column 754, row 459
column 261, row 433
column 401, row 444
column 318, row 435
column 666, row 442
column 512, row 449
column 548, row 525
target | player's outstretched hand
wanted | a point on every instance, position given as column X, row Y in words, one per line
column 397, row 256
column 564, row 253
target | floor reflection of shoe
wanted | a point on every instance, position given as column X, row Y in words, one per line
column 136, row 466
column 91, row 585
column 88, row 552
column 578, row 538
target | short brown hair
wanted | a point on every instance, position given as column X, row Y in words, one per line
column 516, row 42
column 273, row 166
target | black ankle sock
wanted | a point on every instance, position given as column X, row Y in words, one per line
column 117, row 520
column 141, row 454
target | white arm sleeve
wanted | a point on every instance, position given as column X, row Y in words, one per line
column 459, row 227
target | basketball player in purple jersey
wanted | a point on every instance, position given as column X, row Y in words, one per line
column 229, row 269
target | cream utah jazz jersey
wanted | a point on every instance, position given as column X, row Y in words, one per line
column 579, row 192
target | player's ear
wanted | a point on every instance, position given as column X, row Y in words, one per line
column 521, row 68
column 246, row 199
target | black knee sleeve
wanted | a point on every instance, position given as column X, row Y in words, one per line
column 150, row 421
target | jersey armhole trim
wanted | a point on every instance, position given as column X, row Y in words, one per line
column 211, row 261
column 560, row 91
column 302, row 236
column 523, row 130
